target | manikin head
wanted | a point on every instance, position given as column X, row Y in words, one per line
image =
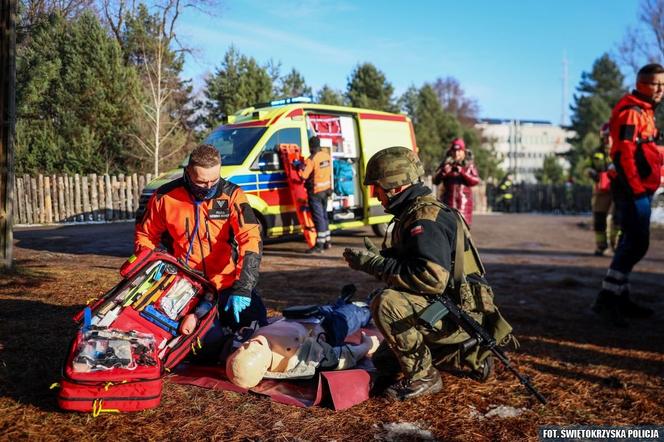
column 247, row 365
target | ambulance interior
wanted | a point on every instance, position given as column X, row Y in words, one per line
column 339, row 134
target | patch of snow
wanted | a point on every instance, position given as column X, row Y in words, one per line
column 398, row 431
column 501, row 411
column 504, row 411
column 657, row 216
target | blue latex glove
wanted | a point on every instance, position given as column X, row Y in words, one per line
column 642, row 207
column 237, row 303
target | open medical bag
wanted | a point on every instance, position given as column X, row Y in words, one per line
column 130, row 337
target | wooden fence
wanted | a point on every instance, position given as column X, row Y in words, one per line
column 45, row 199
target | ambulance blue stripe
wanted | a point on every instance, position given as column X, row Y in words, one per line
column 261, row 178
column 242, row 179
column 248, row 187
column 264, row 186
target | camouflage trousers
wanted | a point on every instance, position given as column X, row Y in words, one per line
column 409, row 347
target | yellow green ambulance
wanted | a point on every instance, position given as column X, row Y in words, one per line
column 248, row 143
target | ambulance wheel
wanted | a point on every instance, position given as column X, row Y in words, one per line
column 379, row 229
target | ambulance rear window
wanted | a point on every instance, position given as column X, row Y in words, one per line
column 234, row 143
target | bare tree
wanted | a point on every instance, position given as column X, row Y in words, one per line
column 453, row 100
column 644, row 43
column 154, row 108
column 31, row 11
column 150, row 42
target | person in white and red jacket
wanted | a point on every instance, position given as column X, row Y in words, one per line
column 457, row 173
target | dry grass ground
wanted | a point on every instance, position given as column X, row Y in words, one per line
column 541, row 269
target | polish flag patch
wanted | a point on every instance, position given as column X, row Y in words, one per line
column 417, row 230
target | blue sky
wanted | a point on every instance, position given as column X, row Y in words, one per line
column 506, row 54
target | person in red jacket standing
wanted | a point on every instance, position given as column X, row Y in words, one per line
column 457, row 173
column 638, row 165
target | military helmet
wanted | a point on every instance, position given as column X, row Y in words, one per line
column 393, row 167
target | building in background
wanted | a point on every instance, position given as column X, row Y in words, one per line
column 523, row 144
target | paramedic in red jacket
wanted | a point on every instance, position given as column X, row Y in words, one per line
column 213, row 230
column 458, row 174
column 638, row 165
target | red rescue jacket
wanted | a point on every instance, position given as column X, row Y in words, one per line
column 226, row 246
column 634, row 152
column 457, row 182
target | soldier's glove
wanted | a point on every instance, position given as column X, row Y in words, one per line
column 370, row 246
column 365, row 261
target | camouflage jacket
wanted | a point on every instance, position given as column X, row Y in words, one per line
column 422, row 248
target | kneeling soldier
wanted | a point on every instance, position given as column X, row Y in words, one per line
column 417, row 268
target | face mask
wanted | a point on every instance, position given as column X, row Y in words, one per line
column 199, row 193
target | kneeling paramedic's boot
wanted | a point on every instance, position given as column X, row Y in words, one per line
column 633, row 310
column 408, row 388
column 609, row 306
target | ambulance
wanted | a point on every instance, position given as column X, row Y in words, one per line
column 248, row 142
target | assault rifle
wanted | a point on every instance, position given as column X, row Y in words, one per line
column 444, row 306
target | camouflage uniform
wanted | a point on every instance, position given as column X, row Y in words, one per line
column 417, row 268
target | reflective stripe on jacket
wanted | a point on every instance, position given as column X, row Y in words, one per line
column 227, row 245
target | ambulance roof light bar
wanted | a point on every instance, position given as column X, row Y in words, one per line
column 285, row 101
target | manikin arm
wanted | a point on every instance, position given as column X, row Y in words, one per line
column 349, row 355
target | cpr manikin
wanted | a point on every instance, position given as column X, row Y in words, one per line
column 293, row 350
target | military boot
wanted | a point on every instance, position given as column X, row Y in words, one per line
column 631, row 309
column 409, row 388
column 609, row 306
column 485, row 371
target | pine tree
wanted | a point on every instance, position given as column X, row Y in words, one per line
column 239, row 82
column 434, row 128
column 293, row 85
column 597, row 93
column 367, row 87
column 327, row 95
column 75, row 107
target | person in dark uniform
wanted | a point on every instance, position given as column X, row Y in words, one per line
column 417, row 269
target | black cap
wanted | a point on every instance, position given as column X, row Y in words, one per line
column 314, row 143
